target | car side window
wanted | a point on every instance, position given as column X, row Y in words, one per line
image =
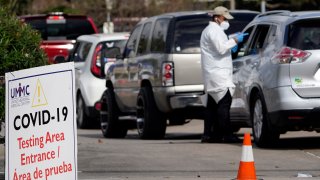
column 144, row 39
column 258, row 39
column 81, row 51
column 130, row 50
column 244, row 45
column 304, row 34
column 159, row 35
column 272, row 37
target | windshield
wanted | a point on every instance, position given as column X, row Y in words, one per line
column 305, row 35
column 68, row 29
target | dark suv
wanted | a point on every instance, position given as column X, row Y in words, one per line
column 159, row 76
column 59, row 32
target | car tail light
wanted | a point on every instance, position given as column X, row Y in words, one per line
column 96, row 61
column 288, row 55
column 97, row 106
column 55, row 17
column 167, row 74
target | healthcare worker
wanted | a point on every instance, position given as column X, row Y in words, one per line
column 216, row 62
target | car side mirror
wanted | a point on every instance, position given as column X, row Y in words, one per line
column 59, row 59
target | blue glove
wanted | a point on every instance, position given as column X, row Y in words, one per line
column 234, row 49
column 240, row 37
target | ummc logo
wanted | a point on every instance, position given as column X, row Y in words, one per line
column 20, row 91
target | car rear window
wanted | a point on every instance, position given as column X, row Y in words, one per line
column 188, row 30
column 68, row 29
column 111, row 44
column 187, row 34
column 304, row 35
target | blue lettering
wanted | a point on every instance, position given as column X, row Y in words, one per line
column 12, row 94
column 20, row 91
column 27, row 86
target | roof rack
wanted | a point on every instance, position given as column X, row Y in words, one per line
column 268, row 13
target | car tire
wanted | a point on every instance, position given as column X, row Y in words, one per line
column 151, row 123
column 111, row 127
column 81, row 115
column 264, row 135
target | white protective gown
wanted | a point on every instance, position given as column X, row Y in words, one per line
column 216, row 62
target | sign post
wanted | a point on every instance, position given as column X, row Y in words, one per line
column 41, row 136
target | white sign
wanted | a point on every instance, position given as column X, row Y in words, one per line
column 41, row 136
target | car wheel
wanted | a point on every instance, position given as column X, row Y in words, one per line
column 151, row 123
column 264, row 135
column 111, row 127
column 82, row 117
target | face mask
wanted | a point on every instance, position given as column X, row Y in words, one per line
column 224, row 25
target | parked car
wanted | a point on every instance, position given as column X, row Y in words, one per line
column 159, row 76
column 59, row 32
column 88, row 53
column 277, row 74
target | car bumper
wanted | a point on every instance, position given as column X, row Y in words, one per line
column 183, row 101
column 285, row 99
column 178, row 97
column 295, row 120
column 288, row 111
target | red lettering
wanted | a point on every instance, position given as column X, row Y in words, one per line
column 63, row 168
column 39, row 157
column 56, row 137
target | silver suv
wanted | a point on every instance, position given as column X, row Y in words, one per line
column 159, row 77
column 277, row 75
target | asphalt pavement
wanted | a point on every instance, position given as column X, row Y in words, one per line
column 181, row 156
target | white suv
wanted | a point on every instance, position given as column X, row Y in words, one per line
column 89, row 52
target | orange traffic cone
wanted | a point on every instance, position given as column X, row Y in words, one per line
column 246, row 167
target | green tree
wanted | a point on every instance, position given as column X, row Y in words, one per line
column 19, row 49
column 16, row 6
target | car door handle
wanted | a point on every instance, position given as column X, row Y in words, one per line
column 254, row 65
